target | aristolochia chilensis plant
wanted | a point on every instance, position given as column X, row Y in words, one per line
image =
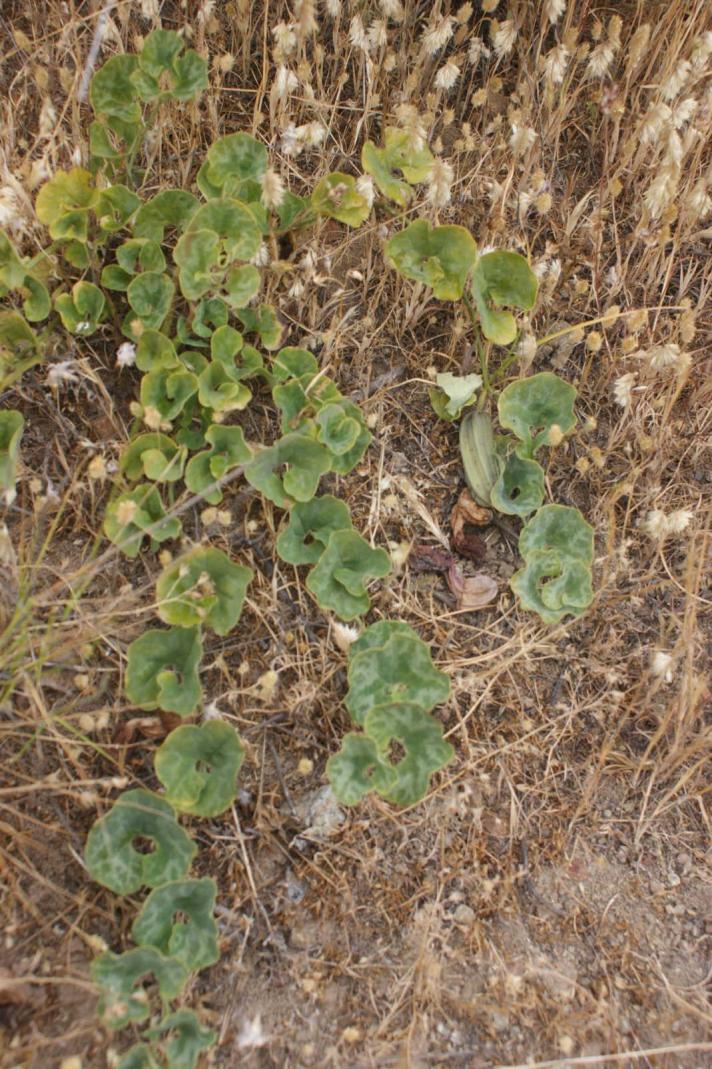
column 176, row 273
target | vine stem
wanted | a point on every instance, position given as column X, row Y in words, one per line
column 480, row 352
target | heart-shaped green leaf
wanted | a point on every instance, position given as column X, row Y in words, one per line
column 338, row 430
column 19, row 347
column 338, row 579
column 338, row 197
column 399, row 671
column 377, row 635
column 264, row 322
column 112, row 93
column 171, row 209
column 187, row 1039
column 155, row 456
column 166, row 392
column 150, row 295
column 233, row 223
column 227, row 449
column 203, row 586
column 123, row 998
column 440, row 256
column 520, row 488
column 136, row 816
column 539, row 409
column 198, row 766
column 422, row 739
column 114, row 207
column 16, row 274
column 197, row 254
column 12, row 268
column 11, row 427
column 502, row 278
column 162, row 670
column 82, row 310
column 454, row 393
column 241, row 285
column 63, row 204
column 155, row 351
column 132, row 517
column 234, row 166
column 359, row 767
column 397, row 155
column 165, row 70
column 311, row 524
column 294, row 363
column 140, row 254
column 193, row 941
column 557, row 546
column 305, row 462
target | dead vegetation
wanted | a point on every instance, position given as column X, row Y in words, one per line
column 549, row 903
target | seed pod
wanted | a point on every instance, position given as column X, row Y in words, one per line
column 479, row 458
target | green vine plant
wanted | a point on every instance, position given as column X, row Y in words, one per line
column 176, row 275
column 502, row 472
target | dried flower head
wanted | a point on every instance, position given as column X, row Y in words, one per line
column 447, row 76
column 436, row 36
column 503, row 35
column 623, row 389
column 553, row 10
column 440, row 182
column 659, row 525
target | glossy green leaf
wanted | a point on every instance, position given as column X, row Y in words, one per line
column 337, row 196
column 123, row 998
column 11, row 427
column 162, row 670
column 264, row 322
column 155, row 351
column 304, row 461
column 115, row 278
column 454, row 393
column 166, row 392
column 233, row 165
column 227, row 450
column 396, row 155
column 187, row 1039
column 198, row 766
column 502, row 278
column 151, row 295
column 539, row 409
column 155, row 456
column 358, row 767
column 311, row 524
column 193, row 941
column 399, row 671
column 170, row 209
column 440, row 256
column 338, row 579
column 112, row 93
column 82, row 309
column 420, row 735
column 203, row 586
column 132, row 517
column 165, row 70
column 111, row 855
column 63, row 204
column 520, row 488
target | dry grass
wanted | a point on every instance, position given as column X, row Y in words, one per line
column 550, row 899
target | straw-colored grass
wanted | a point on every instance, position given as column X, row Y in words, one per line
column 549, row 902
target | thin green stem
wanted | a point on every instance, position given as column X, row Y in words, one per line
column 481, row 352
